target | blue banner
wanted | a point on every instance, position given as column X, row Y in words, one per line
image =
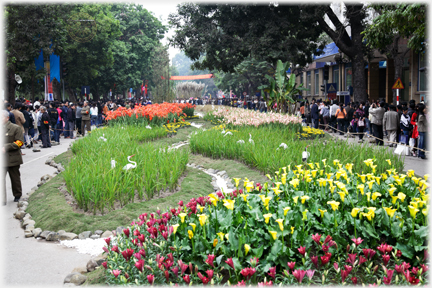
column 39, row 63
column 54, row 67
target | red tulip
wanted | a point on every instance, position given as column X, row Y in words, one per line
column 272, row 272
column 325, row 260
column 291, row 265
column 105, row 264
column 116, row 273
column 357, row 241
column 302, row 250
column 141, row 238
column 316, row 238
column 210, row 274
column 186, row 278
column 108, row 241
column 354, row 280
column 241, row 284
column 351, row 258
column 166, row 272
column 386, row 259
column 315, row 260
column 327, row 239
column 136, row 232
column 140, row 265
column 299, row 274
column 399, row 253
column 210, row 259
column 205, row 280
column 254, row 261
column 415, row 270
column 115, row 249
column 335, row 265
column 325, row 248
column 400, row 268
column 105, row 249
column 126, row 232
column 344, row 274
column 150, row 279
column 180, row 203
column 406, row 265
column 362, row 260
column 165, row 235
column 348, row 268
column 175, row 271
column 138, row 256
column 425, row 268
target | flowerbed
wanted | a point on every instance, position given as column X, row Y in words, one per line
column 321, row 224
column 97, row 187
column 155, row 114
column 309, row 133
column 245, row 117
column 265, row 152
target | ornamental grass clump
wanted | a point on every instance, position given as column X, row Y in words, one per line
column 259, row 235
column 97, row 186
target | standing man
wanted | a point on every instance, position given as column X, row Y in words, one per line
column 78, row 117
column 45, row 128
column 314, row 114
column 85, row 120
column 66, row 131
column 377, row 113
column 54, row 120
column 14, row 140
column 391, row 122
column 71, row 118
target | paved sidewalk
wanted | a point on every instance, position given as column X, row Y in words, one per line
column 27, row 261
column 420, row 166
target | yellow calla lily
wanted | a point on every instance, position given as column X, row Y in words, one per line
column 292, row 230
column 329, row 175
column 361, row 188
column 391, row 190
column 201, row 208
column 295, row 182
column 342, row 196
column 368, row 196
column 247, row 248
column 401, row 196
column 304, row 214
column 394, row 199
column 237, row 181
column 332, row 189
column 413, row 211
column 215, row 241
column 372, row 211
column 267, row 217
column 354, row 212
column 414, row 204
column 311, row 165
column 286, row 209
column 324, row 161
column 349, row 167
column 193, row 226
column 190, row 233
column 227, row 236
column 388, row 161
column 390, row 211
column 426, row 176
column 229, row 204
column 221, row 235
column 304, row 198
column 182, row 216
column 322, row 212
column 410, row 173
column 276, row 191
column 335, row 162
column 363, row 178
column 314, row 173
column 273, row 234
column 280, row 222
column 375, row 195
column 334, row 204
column 370, row 183
column 268, row 176
column 384, row 176
column 175, row 226
column 317, row 165
column 202, row 219
column 425, row 211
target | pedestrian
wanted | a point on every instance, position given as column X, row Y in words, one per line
column 54, row 121
column 26, row 125
column 78, row 117
column 8, row 108
column 333, row 119
column 45, row 126
column 66, row 131
column 19, row 117
column 391, row 122
column 94, row 112
column 341, row 115
column 14, row 140
column 71, row 119
column 85, row 120
column 422, row 126
column 314, row 114
column 377, row 112
column 360, row 116
column 325, row 112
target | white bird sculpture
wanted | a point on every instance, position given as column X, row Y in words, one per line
column 240, row 142
column 283, row 145
column 131, row 165
column 228, row 133
column 305, row 155
column 103, row 138
column 250, row 139
column 148, row 127
column 113, row 163
column 223, row 131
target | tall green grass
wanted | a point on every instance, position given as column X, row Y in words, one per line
column 98, row 187
column 266, row 157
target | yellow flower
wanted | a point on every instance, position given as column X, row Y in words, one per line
column 175, row 226
column 384, row 176
column 416, row 180
column 227, row 236
column 244, row 196
column 221, row 235
column 214, row 199
column 267, row 217
column 317, row 165
column 426, row 210
column 334, row 204
column 182, row 216
column 249, row 186
column 237, row 181
column 311, row 165
column 413, row 211
column 324, row 161
column 280, row 222
column 361, row 188
column 426, row 176
column 283, row 179
column 368, row 162
column 335, row 162
column 215, row 241
column 401, row 196
column 390, row 211
column 329, row 175
column 229, row 204
column 276, row 191
column 414, row 204
column 247, row 248
column 304, row 198
column 410, row 173
column 372, row 211
column 295, row 182
column 425, row 197
column 342, row 195
column 266, row 200
column 268, row 176
column 368, row 196
column 286, row 209
column 292, row 230
column 368, row 215
column 202, row 218
column 284, row 169
column 305, row 214
column 322, row 182
column 349, row 167
column 388, row 161
column 375, row 195
column 295, row 199
column 273, row 234
column 190, row 233
column 391, row 190
column 363, row 178
column 332, row 189
column 201, row 208
column 322, row 212
column 193, row 226
column 402, row 178
column 330, row 181
column 314, row 172
column 377, row 179
column 354, row 212
column 394, row 199
column 370, row 183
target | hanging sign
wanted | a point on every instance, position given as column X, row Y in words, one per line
column 398, row 84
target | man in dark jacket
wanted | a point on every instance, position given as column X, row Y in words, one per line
column 13, row 142
column 26, row 125
column 71, row 118
column 66, row 132
column 8, row 108
column 53, row 120
column 45, row 125
column 314, row 114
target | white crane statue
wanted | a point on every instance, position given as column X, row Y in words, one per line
column 305, row 154
column 131, row 165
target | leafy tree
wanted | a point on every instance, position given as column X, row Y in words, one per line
column 162, row 88
column 28, row 29
column 394, row 23
column 227, row 34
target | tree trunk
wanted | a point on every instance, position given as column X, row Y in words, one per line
column 10, row 93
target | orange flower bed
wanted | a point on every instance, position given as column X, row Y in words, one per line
column 159, row 111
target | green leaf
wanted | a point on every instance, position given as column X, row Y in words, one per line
column 369, row 230
column 237, row 264
column 422, row 232
column 258, row 251
column 406, row 250
column 276, row 248
column 219, row 259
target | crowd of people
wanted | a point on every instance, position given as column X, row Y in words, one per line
column 405, row 123
column 48, row 121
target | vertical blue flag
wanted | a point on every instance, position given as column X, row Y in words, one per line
column 55, row 67
column 39, row 63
